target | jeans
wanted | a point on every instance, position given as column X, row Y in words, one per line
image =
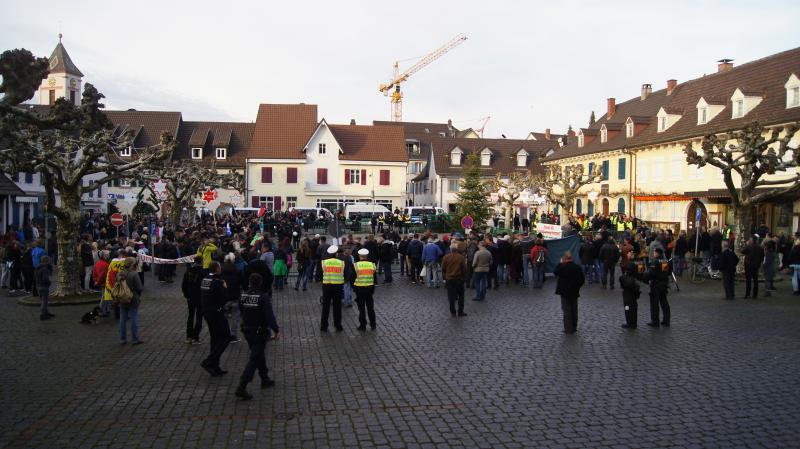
column 403, row 265
column 104, row 305
column 678, row 263
column 44, row 295
column 233, row 316
column 4, row 274
column 795, row 277
column 348, row 294
column 750, row 280
column 387, row 270
column 87, row 277
column 481, row 281
column 280, row 282
column 526, row 262
column 598, row 270
column 538, row 275
column 502, row 273
column 588, row 270
column 416, row 268
column 608, row 274
column 432, row 274
column 455, row 294
column 132, row 314
column 303, row 276
column 569, row 307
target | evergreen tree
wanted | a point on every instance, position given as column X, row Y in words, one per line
column 591, row 119
column 473, row 195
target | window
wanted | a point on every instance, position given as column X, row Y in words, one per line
column 414, row 167
column 486, row 157
column 222, row 153
column 621, row 166
column 353, row 176
column 738, row 109
column 322, row 149
column 662, row 124
column 641, row 171
column 590, row 207
column 412, row 147
column 675, row 167
column 52, row 99
column 621, row 205
column 658, row 169
column 578, row 206
column 125, row 152
column 291, row 176
column 384, row 177
column 580, row 140
column 291, row 201
column 452, row 185
column 197, row 153
column 266, row 175
column 522, row 159
column 322, row 175
column 455, row 157
column 605, row 170
column 124, row 182
column 703, row 115
column 72, row 97
column 629, row 128
column 696, row 172
column 267, row 202
column 603, row 134
column 794, row 97
column 591, row 169
column 26, row 177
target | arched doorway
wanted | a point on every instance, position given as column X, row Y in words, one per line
column 691, row 215
column 578, row 206
column 605, row 207
column 621, row 205
column 590, row 208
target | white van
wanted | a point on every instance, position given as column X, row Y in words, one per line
column 365, row 210
column 316, row 212
column 416, row 212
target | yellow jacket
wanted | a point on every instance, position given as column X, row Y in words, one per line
column 207, row 252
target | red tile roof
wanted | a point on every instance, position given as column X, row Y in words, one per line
column 235, row 137
column 282, row 130
column 147, row 125
column 370, row 143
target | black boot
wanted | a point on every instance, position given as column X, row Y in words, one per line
column 242, row 393
column 267, row 383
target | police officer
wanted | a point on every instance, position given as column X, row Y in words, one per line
column 258, row 319
column 332, row 289
column 658, row 276
column 213, row 296
column 364, row 287
column 630, row 295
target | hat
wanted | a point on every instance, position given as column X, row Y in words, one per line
column 294, row 233
column 316, row 236
column 363, row 252
column 458, row 235
column 333, row 249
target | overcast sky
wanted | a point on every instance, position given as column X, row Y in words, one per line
column 530, row 65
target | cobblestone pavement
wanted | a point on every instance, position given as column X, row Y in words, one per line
column 724, row 375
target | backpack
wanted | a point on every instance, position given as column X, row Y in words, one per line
column 121, row 293
column 540, row 256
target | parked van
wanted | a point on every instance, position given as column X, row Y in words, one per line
column 365, row 210
column 316, row 212
column 416, row 212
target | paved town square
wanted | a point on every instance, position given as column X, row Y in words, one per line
column 505, row 376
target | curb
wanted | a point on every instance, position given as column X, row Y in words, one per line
column 35, row 302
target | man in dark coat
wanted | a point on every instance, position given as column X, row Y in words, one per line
column 658, row 275
column 609, row 255
column 753, row 258
column 630, row 295
column 570, row 280
column 213, row 296
column 728, row 261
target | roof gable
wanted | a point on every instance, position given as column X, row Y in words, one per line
column 282, row 130
column 60, row 62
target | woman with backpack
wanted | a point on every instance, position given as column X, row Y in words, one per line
column 539, row 258
column 129, row 305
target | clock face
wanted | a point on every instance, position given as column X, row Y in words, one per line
column 73, row 82
column 51, row 81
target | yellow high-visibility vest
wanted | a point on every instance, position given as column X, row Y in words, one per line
column 365, row 273
column 333, row 271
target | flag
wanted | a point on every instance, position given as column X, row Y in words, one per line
column 262, row 211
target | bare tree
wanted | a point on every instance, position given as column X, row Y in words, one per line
column 510, row 189
column 562, row 183
column 64, row 145
column 749, row 159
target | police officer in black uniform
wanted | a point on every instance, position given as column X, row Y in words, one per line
column 658, row 276
column 258, row 320
column 213, row 296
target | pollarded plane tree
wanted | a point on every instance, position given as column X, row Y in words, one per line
column 562, row 183
column 64, row 145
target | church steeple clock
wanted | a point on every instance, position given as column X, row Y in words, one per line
column 64, row 80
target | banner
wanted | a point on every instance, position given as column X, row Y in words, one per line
column 160, row 261
column 556, row 248
column 549, row 231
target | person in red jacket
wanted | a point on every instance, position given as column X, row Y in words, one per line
column 99, row 273
column 539, row 261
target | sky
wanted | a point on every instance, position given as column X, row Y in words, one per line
column 530, row 65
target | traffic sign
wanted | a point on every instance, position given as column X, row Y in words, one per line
column 116, row 219
column 467, row 222
column 698, row 214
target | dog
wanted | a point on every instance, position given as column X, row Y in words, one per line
column 91, row 317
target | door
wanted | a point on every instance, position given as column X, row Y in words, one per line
column 605, row 207
column 691, row 215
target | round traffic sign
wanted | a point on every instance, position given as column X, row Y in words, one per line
column 467, row 222
column 116, row 219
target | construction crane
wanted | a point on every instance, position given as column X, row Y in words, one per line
column 483, row 126
column 397, row 96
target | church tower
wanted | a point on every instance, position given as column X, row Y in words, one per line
column 64, row 80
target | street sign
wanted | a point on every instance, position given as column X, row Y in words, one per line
column 116, row 219
column 467, row 222
column 698, row 214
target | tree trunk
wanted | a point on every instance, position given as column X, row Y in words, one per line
column 742, row 222
column 508, row 215
column 69, row 265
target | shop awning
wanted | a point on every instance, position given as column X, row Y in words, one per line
column 662, row 198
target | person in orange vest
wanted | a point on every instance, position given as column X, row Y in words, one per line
column 364, row 286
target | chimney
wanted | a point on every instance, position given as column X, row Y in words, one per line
column 612, row 107
column 352, row 121
column 571, row 133
column 724, row 65
column 450, row 128
column 547, row 134
column 671, row 86
column 647, row 89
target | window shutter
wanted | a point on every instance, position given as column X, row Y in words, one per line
column 291, row 175
column 621, row 168
column 363, row 177
column 278, row 204
column 322, row 176
column 266, row 175
column 254, row 201
column 346, row 177
column 384, row 177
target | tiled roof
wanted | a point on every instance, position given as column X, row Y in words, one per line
column 235, row 137
column 60, row 62
column 767, row 76
column 421, row 132
column 147, row 125
column 543, row 136
column 370, row 143
column 504, row 152
column 282, row 130
column 8, row 187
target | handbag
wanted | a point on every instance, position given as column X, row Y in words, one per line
column 423, row 272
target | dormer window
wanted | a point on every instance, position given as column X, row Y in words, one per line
column 702, row 115
column 486, row 157
column 629, row 128
column 707, row 111
column 125, row 152
column 197, row 153
column 743, row 103
column 455, row 156
column 580, row 140
column 603, row 134
column 662, row 123
column 522, row 158
column 792, row 91
column 222, row 153
column 322, row 148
